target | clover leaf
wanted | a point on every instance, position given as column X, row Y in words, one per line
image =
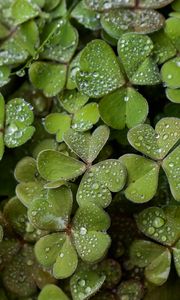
column 4, row 75
column 53, row 165
column 139, row 65
column 51, row 291
column 99, row 70
column 23, row 10
column 58, row 250
column 132, row 289
column 172, row 30
column 171, row 167
column 1, row 233
column 154, row 258
column 16, row 118
column 155, row 143
column 131, row 106
column 170, row 73
column 161, row 225
column 62, row 42
column 51, row 213
column 89, row 232
column 85, row 282
column 49, row 77
column 142, row 177
column 86, row 16
column 99, row 181
column 85, row 145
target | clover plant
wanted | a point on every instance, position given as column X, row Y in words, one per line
column 89, row 149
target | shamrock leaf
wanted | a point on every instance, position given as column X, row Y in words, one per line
column 176, row 254
column 72, row 100
column 48, row 77
column 112, row 270
column 161, row 225
column 23, row 10
column 53, row 165
column 99, row 180
column 89, row 232
column 155, row 143
column 62, row 42
column 8, row 249
column 154, row 3
column 142, row 177
column 99, row 70
column 85, row 145
column 4, row 75
column 26, row 170
column 57, row 123
column 116, row 22
column 133, row 289
column 172, row 30
column 163, row 47
column 171, row 167
column 139, row 66
column 86, row 16
column 123, row 107
column 103, row 4
column 85, row 283
column 17, row 276
column 28, row 191
column 51, row 291
column 154, row 258
column 170, row 74
column 19, row 117
column 51, row 213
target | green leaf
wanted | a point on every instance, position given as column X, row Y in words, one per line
column 74, row 67
column 23, row 10
column 15, row 214
column 86, row 117
column 66, row 262
column 53, row 165
column 28, row 191
column 99, row 180
column 51, row 4
column 112, row 270
column 142, row 178
column 155, row 143
column 17, row 276
column 86, row 16
column 172, row 29
column 48, row 248
column 130, row 289
column 170, row 73
column 51, row 213
column 163, row 47
column 26, row 170
column 102, row 5
column 19, row 117
column 48, row 77
column 51, row 291
column 8, row 249
column 176, row 5
column 171, row 167
column 155, row 258
column 161, row 225
column 85, row 145
column 28, row 37
column 123, row 107
column 173, row 95
column 2, row 117
column 4, row 75
column 57, row 123
column 154, row 3
column 158, row 271
column 85, row 282
column 140, row 67
column 62, row 43
column 176, row 254
column 89, row 217
column 99, row 72
column 72, row 100
column 116, row 22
